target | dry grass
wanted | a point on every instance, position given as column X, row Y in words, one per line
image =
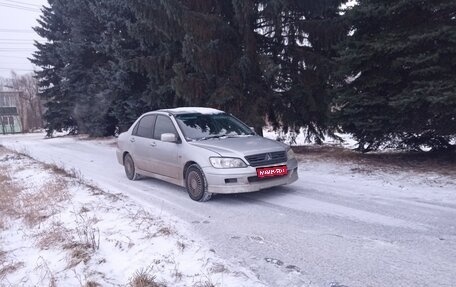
column 77, row 253
column 164, row 231
column 176, row 273
column 56, row 235
column 33, row 206
column 39, row 206
column 43, row 204
column 218, row 268
column 88, row 240
column 70, row 173
column 10, row 268
column 54, row 168
column 144, row 278
column 88, row 234
column 181, row 246
column 205, row 283
column 92, row 284
column 84, row 209
column 3, row 224
column 152, row 226
column 8, row 195
column 46, row 273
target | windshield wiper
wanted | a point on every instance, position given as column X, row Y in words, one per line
column 239, row 136
column 212, row 137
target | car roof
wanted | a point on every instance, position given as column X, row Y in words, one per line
column 191, row 110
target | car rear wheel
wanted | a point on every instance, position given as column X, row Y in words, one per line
column 130, row 169
column 196, row 184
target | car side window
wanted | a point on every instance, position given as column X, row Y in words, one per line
column 163, row 125
column 145, row 127
column 135, row 130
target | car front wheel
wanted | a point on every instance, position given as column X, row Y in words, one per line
column 196, row 184
column 130, row 169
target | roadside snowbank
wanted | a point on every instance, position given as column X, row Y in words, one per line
column 56, row 230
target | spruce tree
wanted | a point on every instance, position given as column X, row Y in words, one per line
column 295, row 42
column 251, row 58
column 398, row 71
column 59, row 104
column 200, row 52
column 85, row 60
column 120, row 81
column 224, row 56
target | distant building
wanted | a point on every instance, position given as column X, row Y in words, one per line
column 9, row 116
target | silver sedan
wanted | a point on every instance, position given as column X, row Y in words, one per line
column 205, row 150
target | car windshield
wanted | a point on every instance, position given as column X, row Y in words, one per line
column 198, row 126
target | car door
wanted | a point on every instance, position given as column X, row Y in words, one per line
column 141, row 142
column 166, row 153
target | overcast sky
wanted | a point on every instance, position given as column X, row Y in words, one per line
column 17, row 17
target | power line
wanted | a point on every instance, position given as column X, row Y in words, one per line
column 15, row 62
column 14, row 49
column 17, row 40
column 23, row 3
column 23, row 8
column 12, row 57
column 24, row 65
column 17, row 51
column 16, row 31
column 14, row 69
column 11, row 39
column 16, row 43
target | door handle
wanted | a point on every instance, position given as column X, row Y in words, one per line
column 132, row 140
column 153, row 144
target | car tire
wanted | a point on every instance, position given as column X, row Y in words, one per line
column 130, row 168
column 196, row 184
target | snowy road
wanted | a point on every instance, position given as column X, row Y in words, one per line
column 336, row 226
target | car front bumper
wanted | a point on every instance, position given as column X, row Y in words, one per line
column 241, row 180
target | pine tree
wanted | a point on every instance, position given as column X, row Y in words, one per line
column 399, row 74
column 225, row 56
column 152, row 64
column 200, row 53
column 59, row 104
column 251, row 58
column 295, row 40
column 120, row 82
column 85, row 61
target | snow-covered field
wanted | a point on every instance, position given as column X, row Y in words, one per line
column 342, row 223
column 57, row 231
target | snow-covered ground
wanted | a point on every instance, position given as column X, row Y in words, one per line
column 341, row 224
column 57, row 231
column 299, row 139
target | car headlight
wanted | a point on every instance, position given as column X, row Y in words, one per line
column 227, row 162
column 290, row 154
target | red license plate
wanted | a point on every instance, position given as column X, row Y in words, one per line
column 272, row 171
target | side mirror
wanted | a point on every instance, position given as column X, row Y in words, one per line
column 252, row 129
column 168, row 137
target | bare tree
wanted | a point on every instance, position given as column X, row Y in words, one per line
column 30, row 106
column 4, row 82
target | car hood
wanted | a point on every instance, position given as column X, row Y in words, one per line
column 240, row 146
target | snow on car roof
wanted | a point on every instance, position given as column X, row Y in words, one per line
column 185, row 110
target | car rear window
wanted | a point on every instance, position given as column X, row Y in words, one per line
column 146, row 127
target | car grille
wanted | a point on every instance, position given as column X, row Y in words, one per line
column 267, row 158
